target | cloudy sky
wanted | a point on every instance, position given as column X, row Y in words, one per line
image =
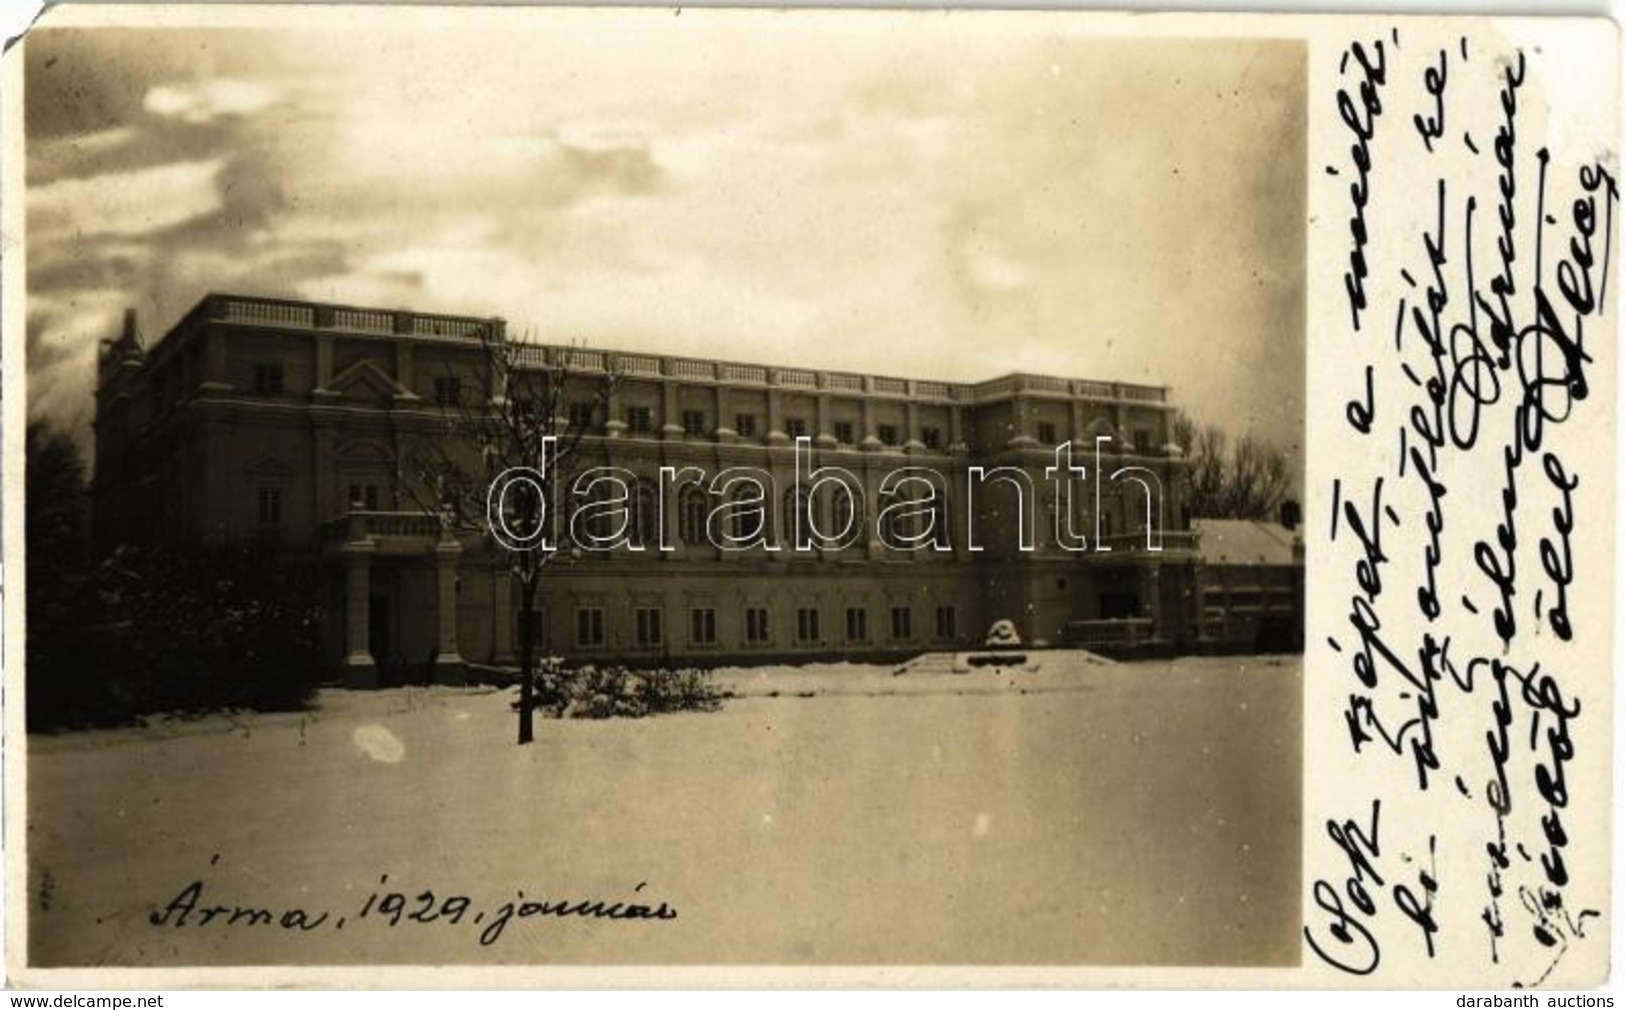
column 912, row 196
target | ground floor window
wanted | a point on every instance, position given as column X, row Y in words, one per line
column 589, row 626
column 364, row 496
column 702, row 626
column 902, row 623
column 857, row 624
column 648, row 622
column 756, row 625
column 270, row 506
column 807, row 624
column 945, row 623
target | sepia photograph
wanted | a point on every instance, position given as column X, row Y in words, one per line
column 664, row 487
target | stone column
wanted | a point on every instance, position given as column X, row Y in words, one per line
column 498, row 379
column 324, row 363
column 724, row 427
column 502, row 616
column 775, row 422
column 960, row 519
column 214, row 378
column 1151, row 591
column 671, row 425
column 614, row 424
column 670, row 507
column 874, row 547
column 322, row 494
column 359, row 668
column 448, row 664
column 1020, row 416
column 404, row 365
column 868, row 409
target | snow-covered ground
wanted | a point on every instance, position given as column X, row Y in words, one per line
column 1082, row 813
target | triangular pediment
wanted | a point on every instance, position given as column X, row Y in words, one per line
column 268, row 465
column 365, row 380
column 1100, row 426
column 362, row 450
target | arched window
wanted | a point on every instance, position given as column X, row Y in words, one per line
column 645, row 529
column 691, row 517
column 846, row 516
column 797, row 516
column 749, row 521
column 894, row 526
column 604, row 522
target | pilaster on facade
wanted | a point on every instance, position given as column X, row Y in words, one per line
column 360, row 668
column 449, row 666
column 1151, row 596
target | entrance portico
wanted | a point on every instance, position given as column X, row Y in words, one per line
column 400, row 595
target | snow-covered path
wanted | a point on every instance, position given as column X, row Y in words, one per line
column 1137, row 813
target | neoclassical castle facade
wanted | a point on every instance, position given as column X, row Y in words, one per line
column 291, row 422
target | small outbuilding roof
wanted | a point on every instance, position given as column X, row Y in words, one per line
column 1245, row 542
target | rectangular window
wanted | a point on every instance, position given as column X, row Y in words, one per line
column 901, row 624
column 745, row 425
column 807, row 624
column 638, row 419
column 843, row 432
column 693, row 422
column 1142, row 440
column 945, row 623
column 268, row 379
column 649, row 630
column 270, row 506
column 755, row 625
column 857, row 624
column 932, row 437
column 448, row 391
column 888, row 434
column 702, row 626
column 1046, row 432
column 795, row 427
column 364, row 496
column 581, row 416
column 589, row 626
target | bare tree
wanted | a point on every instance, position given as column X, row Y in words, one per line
column 1248, row 481
column 532, row 412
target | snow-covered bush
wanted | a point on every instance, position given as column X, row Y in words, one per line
column 613, row 691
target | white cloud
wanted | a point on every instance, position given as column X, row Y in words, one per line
column 206, row 101
column 123, row 203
